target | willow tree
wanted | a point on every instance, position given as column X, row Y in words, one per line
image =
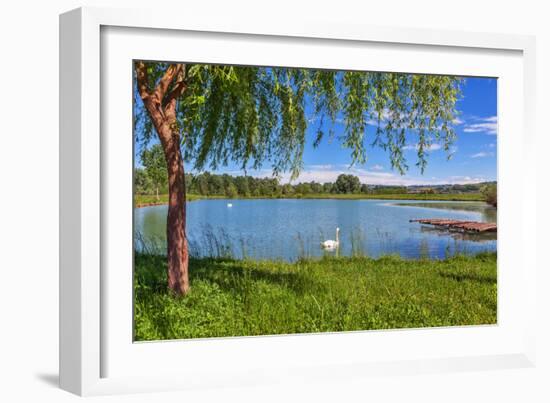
column 212, row 115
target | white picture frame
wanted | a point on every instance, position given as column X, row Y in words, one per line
column 97, row 356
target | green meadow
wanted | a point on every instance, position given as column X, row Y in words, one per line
column 231, row 297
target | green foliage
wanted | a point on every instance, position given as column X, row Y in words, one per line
column 155, row 166
column 241, row 298
column 347, row 184
column 489, row 191
column 255, row 115
column 231, row 191
column 389, row 190
column 207, row 184
column 148, row 199
column 142, row 182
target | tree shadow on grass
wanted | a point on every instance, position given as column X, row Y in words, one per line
column 226, row 273
column 469, row 277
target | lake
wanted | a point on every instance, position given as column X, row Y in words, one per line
column 292, row 228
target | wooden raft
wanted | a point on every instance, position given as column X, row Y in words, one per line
column 460, row 225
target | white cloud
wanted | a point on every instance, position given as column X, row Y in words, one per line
column 372, row 177
column 377, row 167
column 487, row 125
column 431, row 147
column 434, row 147
column 329, row 173
column 457, row 121
column 463, row 180
column 481, row 154
column 323, row 176
column 312, row 119
column 321, row 167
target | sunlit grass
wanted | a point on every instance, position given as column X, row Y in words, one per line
column 243, row 297
column 145, row 200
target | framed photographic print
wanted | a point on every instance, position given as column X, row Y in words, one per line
column 243, row 203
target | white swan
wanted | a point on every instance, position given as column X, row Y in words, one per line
column 330, row 244
column 229, row 205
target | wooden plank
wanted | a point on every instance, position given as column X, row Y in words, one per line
column 474, row 226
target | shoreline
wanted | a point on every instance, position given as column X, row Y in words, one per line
column 150, row 204
column 461, row 197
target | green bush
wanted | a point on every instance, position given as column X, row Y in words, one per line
column 490, row 194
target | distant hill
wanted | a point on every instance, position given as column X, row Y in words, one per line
column 445, row 188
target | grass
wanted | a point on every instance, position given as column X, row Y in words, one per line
column 143, row 200
column 243, row 297
column 401, row 196
column 147, row 200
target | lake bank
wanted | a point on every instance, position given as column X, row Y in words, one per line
column 245, row 297
column 150, row 200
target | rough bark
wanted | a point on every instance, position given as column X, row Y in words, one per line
column 160, row 104
column 178, row 254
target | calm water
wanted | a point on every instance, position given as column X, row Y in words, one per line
column 293, row 228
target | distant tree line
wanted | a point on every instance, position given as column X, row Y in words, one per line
column 152, row 181
column 149, row 181
column 208, row 184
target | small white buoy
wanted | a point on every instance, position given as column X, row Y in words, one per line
column 229, row 205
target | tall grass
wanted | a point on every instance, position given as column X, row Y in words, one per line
column 216, row 242
column 231, row 297
column 208, row 242
column 357, row 239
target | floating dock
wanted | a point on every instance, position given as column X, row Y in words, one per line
column 459, row 225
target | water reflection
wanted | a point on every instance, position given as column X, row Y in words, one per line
column 460, row 235
column 488, row 213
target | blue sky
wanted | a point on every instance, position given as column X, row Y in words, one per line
column 473, row 160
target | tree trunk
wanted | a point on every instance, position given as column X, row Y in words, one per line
column 177, row 247
column 178, row 253
column 161, row 107
column 157, row 189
